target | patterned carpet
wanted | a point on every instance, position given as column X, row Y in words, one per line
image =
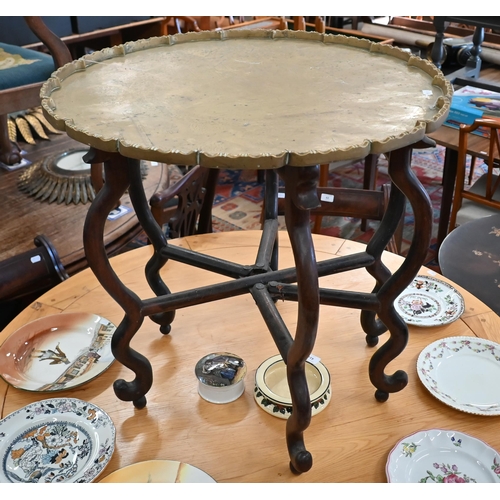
column 239, row 195
column 239, row 199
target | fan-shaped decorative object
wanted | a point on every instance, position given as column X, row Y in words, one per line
column 62, row 177
column 23, row 123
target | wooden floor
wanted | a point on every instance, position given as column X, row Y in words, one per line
column 25, row 217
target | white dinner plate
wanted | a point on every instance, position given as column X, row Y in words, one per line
column 57, row 352
column 429, row 301
column 442, row 456
column 158, row 471
column 60, row 440
column 462, row 372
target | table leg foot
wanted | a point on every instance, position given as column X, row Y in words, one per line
column 165, row 329
column 140, row 403
column 371, row 341
column 381, row 396
column 301, row 463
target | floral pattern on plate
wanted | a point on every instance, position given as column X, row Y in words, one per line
column 57, row 352
column 429, row 302
column 55, row 441
column 459, row 372
column 442, row 456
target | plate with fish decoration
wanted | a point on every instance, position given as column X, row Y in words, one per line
column 158, row 471
column 429, row 302
column 461, row 372
column 57, row 352
column 60, row 440
column 442, row 456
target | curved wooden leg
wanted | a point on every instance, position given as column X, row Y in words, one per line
column 300, row 187
column 271, row 209
column 10, row 153
column 373, row 326
column 404, row 178
column 117, row 181
column 157, row 238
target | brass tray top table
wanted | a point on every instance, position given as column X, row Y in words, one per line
column 283, row 101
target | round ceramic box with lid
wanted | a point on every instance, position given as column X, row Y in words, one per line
column 220, row 377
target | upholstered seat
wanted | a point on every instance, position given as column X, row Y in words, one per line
column 22, row 73
column 20, row 66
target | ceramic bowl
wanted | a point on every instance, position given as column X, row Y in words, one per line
column 220, row 377
column 273, row 395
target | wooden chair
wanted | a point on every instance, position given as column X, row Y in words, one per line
column 20, row 84
column 24, row 277
column 357, row 203
column 483, row 197
column 185, row 208
column 370, row 176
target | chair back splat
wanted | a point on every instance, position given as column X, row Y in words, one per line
column 185, row 208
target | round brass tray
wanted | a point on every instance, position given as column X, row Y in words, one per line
column 248, row 99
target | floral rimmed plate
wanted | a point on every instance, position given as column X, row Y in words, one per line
column 429, row 302
column 158, row 471
column 442, row 456
column 60, row 440
column 57, row 352
column 461, row 372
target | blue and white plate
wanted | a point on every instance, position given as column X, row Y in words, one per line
column 63, row 440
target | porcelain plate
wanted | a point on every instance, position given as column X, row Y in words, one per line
column 442, row 456
column 61, row 440
column 57, row 352
column 158, row 471
column 429, row 302
column 462, row 372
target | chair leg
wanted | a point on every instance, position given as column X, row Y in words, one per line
column 471, row 170
column 10, row 153
column 323, row 182
column 369, row 180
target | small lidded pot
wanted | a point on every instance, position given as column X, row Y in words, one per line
column 220, row 377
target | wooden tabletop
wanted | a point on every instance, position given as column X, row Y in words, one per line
column 239, row 442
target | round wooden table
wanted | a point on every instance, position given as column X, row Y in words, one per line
column 470, row 255
column 239, row 442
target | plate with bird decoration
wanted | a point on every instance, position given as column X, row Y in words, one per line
column 57, row 352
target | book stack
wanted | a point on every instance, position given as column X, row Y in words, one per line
column 470, row 103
